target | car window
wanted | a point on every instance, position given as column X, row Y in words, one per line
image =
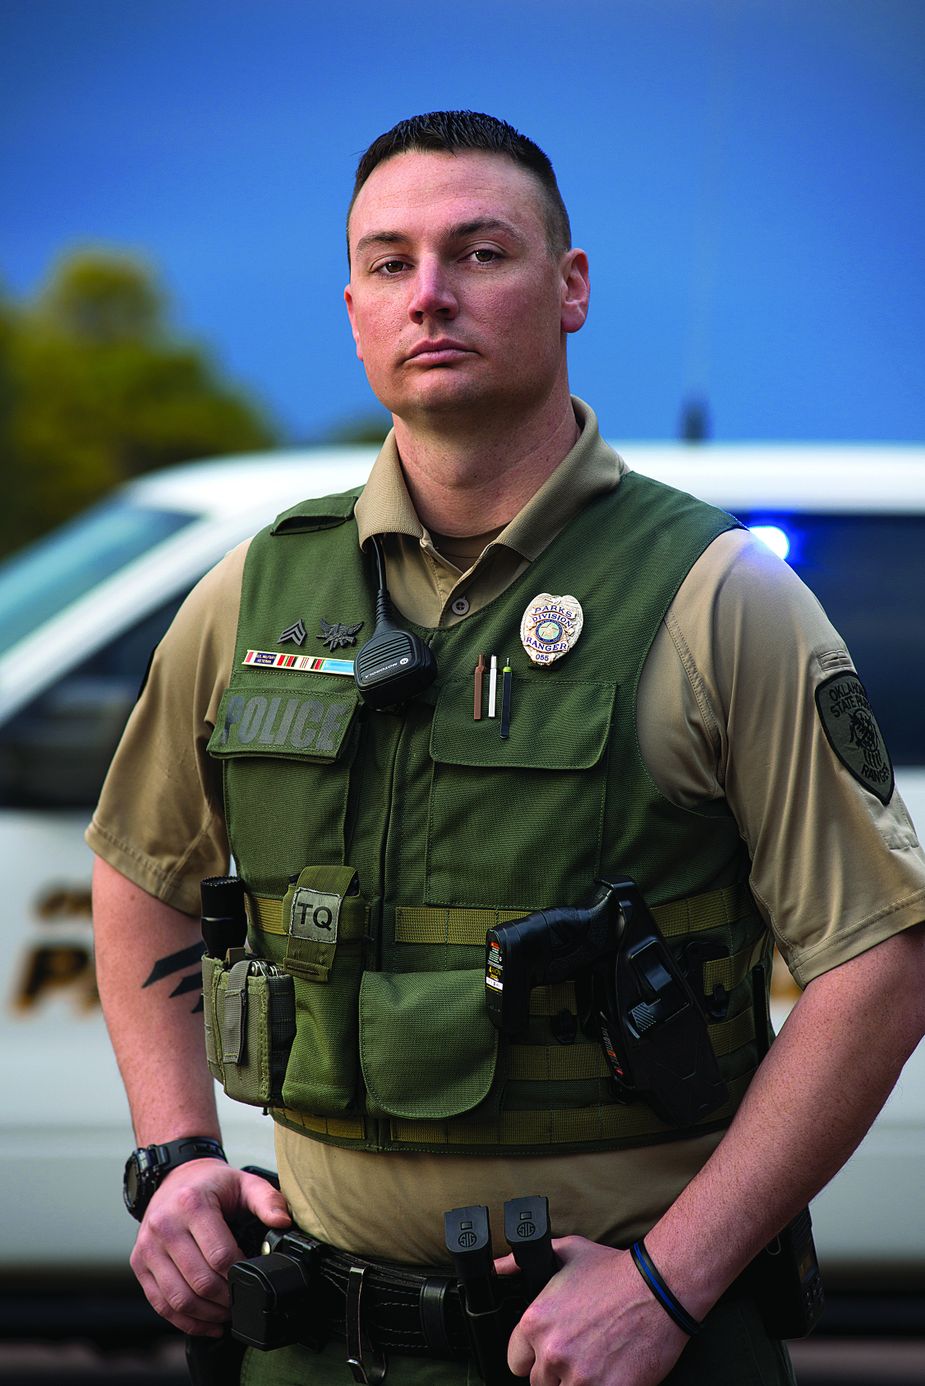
column 868, row 571
column 55, row 752
column 42, row 579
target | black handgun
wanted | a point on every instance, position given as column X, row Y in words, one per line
column 784, row 1277
column 651, row 1026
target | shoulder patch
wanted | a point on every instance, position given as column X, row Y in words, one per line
column 853, row 734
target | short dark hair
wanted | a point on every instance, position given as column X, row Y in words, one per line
column 453, row 131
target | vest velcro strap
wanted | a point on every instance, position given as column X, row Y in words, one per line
column 455, row 924
column 553, row 999
column 700, row 912
column 564, row 1126
column 266, row 914
column 563, row 1062
column 339, row 1128
column 554, row 1062
column 728, row 1035
column 729, row 973
column 423, row 924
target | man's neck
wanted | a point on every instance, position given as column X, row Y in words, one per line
column 467, row 480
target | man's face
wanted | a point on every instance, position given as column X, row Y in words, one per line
column 455, row 299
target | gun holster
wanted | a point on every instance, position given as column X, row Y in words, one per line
column 214, row 1361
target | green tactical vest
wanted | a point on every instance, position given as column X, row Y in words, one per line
column 379, row 847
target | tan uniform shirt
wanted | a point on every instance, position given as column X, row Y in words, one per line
column 726, row 710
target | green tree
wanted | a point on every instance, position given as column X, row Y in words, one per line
column 95, row 388
column 370, row 428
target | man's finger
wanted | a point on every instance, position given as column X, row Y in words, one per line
column 520, row 1355
column 265, row 1201
column 171, row 1295
column 203, row 1257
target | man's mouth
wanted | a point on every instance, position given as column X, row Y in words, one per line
column 441, row 350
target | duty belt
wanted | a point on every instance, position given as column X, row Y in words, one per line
column 374, row 1306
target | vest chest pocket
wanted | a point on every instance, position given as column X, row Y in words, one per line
column 286, row 752
column 518, row 822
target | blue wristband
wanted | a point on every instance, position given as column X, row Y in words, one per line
column 672, row 1306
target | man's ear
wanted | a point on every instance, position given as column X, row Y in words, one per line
column 576, row 290
column 348, row 299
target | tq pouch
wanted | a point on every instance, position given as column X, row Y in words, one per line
column 249, row 1007
column 326, row 923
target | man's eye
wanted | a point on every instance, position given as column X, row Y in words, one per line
column 392, row 266
column 484, row 256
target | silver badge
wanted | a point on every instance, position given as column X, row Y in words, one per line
column 550, row 627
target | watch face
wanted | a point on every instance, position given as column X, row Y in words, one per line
column 136, row 1184
column 130, row 1183
column 146, row 1167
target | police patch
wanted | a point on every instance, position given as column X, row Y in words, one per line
column 853, row 734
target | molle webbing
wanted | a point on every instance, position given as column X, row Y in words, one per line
column 429, row 924
column 579, row 1061
column 588, row 1126
column 591, row 1127
column 451, row 925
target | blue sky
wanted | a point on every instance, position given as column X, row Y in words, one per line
column 747, row 177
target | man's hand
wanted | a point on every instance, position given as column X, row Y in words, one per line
column 595, row 1323
column 185, row 1246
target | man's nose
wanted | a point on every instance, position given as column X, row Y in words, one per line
column 432, row 294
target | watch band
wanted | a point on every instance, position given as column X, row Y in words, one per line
column 189, row 1148
column 147, row 1166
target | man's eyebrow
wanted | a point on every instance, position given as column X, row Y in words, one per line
column 477, row 226
column 480, row 224
column 379, row 238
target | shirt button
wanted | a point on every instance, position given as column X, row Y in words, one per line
column 459, row 606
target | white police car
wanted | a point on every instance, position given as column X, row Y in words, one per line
column 79, row 614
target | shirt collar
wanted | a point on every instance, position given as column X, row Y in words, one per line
column 589, row 469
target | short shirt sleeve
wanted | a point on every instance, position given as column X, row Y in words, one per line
column 160, row 819
column 737, row 701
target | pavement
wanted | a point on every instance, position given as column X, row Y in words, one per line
column 817, row 1362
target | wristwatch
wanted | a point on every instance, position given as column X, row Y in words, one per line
column 146, row 1167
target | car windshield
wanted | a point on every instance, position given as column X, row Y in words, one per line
column 42, row 579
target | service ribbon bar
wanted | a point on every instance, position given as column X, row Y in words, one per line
column 269, row 659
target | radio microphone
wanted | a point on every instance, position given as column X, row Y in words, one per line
column 394, row 664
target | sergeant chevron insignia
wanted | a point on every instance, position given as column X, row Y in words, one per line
column 550, row 626
column 337, row 636
column 296, row 634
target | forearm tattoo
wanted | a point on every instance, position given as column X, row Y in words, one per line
column 187, row 961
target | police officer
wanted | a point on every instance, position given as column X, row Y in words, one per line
column 680, row 711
